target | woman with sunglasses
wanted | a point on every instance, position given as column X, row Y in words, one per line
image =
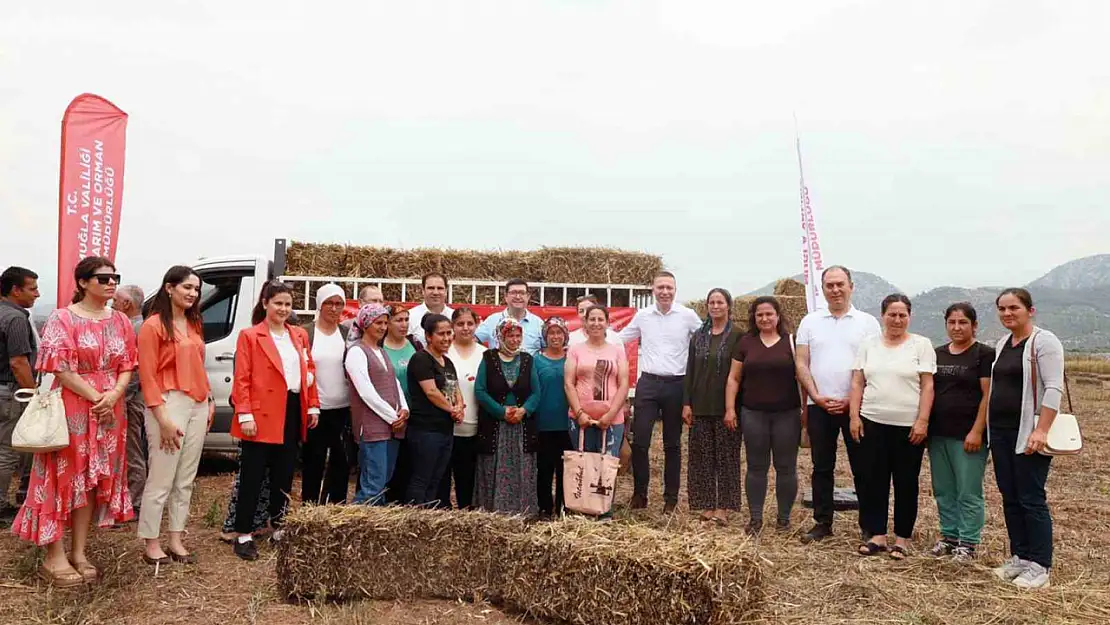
column 91, row 351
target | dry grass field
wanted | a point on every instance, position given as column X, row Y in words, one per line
column 825, row 583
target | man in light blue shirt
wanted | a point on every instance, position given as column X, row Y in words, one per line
column 516, row 302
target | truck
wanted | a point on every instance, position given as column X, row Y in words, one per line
column 230, row 287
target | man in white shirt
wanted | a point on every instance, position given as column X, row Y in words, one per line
column 326, row 449
column 579, row 335
column 516, row 306
column 664, row 330
column 827, row 342
column 434, row 287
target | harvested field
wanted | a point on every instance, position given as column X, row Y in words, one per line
column 826, row 583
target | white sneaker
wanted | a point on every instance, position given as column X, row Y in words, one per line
column 963, row 553
column 1011, row 568
column 1034, row 576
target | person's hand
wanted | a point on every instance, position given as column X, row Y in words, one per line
column 313, row 420
column 583, row 419
column 104, row 406
column 730, row 420
column 211, row 413
column 973, row 442
column 457, row 414
column 836, row 406
column 688, row 415
column 856, row 428
column 605, row 421
column 822, row 402
column 169, row 436
column 805, row 415
column 249, row 429
column 1037, row 442
column 403, row 414
column 919, row 432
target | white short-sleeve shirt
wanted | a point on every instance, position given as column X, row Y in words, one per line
column 893, row 391
column 833, row 344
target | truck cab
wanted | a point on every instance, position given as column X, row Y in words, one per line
column 229, row 290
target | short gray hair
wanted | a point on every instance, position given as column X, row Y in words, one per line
column 364, row 293
column 133, row 293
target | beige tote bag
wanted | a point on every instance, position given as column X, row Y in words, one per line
column 589, row 478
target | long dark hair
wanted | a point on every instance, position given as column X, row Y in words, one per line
column 85, row 270
column 783, row 327
column 163, row 305
column 272, row 289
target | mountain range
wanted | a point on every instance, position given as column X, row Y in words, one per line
column 1072, row 300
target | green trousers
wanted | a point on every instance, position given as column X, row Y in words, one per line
column 958, row 488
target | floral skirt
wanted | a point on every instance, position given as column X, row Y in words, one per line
column 507, row 479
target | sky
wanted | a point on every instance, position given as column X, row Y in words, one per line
column 944, row 143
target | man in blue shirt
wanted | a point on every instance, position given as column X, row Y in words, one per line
column 516, row 302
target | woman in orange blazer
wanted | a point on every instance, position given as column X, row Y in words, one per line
column 275, row 400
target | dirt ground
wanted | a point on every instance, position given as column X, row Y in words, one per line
column 825, row 583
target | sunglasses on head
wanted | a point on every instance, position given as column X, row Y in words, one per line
column 105, row 278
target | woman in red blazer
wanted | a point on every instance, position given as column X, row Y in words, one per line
column 275, row 400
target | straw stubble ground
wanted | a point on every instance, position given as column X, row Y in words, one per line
column 827, row 583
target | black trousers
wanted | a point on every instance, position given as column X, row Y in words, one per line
column 280, row 459
column 1021, row 480
column 658, row 397
column 396, row 489
column 463, row 467
column 888, row 455
column 824, row 429
column 549, row 463
column 325, row 459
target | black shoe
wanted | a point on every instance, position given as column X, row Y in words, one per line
column 246, row 551
column 7, row 514
column 638, row 502
column 817, row 534
column 782, row 525
column 669, row 507
column 754, row 527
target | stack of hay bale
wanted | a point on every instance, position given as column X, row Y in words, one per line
column 588, row 265
column 575, row 570
column 790, row 293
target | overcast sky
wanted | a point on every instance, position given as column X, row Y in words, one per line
column 962, row 143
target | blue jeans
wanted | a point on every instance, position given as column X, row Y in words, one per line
column 376, row 461
column 1021, row 481
column 614, row 436
column 429, row 456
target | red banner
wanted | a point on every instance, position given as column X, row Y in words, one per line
column 618, row 318
column 90, row 194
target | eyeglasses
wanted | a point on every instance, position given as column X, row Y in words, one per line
column 105, row 278
column 523, row 293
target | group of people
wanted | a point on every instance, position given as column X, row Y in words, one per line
column 434, row 404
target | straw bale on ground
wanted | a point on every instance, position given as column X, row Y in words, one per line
column 594, row 265
column 574, row 570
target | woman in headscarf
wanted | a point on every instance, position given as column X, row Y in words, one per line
column 508, row 393
column 378, row 406
column 713, row 473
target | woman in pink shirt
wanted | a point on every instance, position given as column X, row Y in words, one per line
column 596, row 382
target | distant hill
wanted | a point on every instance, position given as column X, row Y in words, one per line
column 1082, row 273
column 1072, row 300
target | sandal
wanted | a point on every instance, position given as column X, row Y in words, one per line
column 898, row 552
column 164, row 560
column 188, row 558
column 869, row 549
column 86, row 570
column 65, row 578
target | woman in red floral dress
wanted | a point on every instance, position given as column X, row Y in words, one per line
column 91, row 351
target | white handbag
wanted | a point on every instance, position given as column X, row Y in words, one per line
column 1064, row 437
column 42, row 427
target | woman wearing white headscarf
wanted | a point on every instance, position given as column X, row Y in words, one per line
column 508, row 392
column 326, row 443
column 378, row 407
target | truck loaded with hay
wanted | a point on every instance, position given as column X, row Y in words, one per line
column 557, row 277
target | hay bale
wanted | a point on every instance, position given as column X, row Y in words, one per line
column 790, row 287
column 575, row 570
column 593, row 265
